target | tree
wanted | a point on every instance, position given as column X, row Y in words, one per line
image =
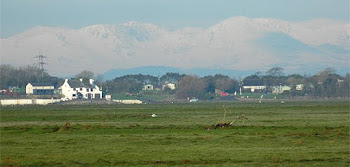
column 275, row 72
column 324, row 74
column 85, row 75
column 224, row 84
column 295, row 79
column 20, row 77
column 130, row 83
column 190, row 87
column 326, row 84
column 221, row 82
column 171, row 77
column 139, row 78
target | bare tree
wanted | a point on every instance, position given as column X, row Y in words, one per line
column 190, row 86
column 224, row 84
column 86, row 74
column 275, row 71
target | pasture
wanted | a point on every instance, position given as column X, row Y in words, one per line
column 309, row 133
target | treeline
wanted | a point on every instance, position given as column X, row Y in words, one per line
column 21, row 76
column 326, row 83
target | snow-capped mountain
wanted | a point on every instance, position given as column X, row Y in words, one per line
column 238, row 43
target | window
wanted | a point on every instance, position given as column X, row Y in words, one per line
column 74, row 89
column 87, row 90
column 81, row 89
column 92, row 90
column 74, row 95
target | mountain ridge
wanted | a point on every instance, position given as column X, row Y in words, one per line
column 230, row 44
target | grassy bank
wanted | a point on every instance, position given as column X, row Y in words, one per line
column 314, row 133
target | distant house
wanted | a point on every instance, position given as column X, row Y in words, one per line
column 148, row 87
column 79, row 89
column 299, row 87
column 108, row 97
column 171, row 86
column 39, row 89
column 253, row 85
column 280, row 89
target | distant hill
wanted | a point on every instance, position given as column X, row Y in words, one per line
column 161, row 70
column 237, row 43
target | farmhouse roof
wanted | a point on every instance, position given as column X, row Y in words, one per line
column 41, row 84
column 253, row 82
column 79, row 84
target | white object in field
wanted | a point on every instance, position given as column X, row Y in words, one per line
column 282, row 102
column 154, row 115
column 194, row 100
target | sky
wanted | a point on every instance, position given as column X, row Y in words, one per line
column 20, row 15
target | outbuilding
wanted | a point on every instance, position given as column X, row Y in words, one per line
column 39, row 89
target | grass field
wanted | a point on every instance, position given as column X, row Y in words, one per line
column 312, row 133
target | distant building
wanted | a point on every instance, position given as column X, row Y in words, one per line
column 39, row 89
column 78, row 89
column 280, row 89
column 108, row 97
column 148, row 87
column 254, row 85
column 299, row 87
column 171, row 86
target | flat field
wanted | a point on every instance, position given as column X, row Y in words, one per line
column 311, row 133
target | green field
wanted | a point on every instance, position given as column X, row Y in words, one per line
column 311, row 133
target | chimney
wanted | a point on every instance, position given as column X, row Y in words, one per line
column 91, row 81
column 65, row 80
column 81, row 79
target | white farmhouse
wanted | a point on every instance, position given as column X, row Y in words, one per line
column 77, row 89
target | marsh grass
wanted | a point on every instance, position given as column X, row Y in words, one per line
column 291, row 134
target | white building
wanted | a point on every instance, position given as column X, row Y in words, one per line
column 108, row 97
column 280, row 89
column 253, row 88
column 39, row 89
column 148, row 87
column 299, row 87
column 254, row 85
column 77, row 89
column 171, row 86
